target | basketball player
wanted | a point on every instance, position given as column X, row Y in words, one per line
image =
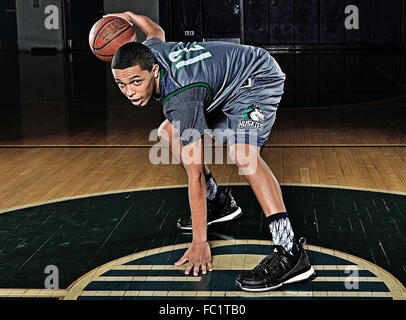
column 235, row 89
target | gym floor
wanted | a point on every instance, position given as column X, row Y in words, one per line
column 78, row 190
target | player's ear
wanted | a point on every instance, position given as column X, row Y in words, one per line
column 155, row 70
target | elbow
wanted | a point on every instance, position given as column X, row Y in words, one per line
column 159, row 33
column 163, row 35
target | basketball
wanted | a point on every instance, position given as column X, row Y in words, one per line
column 108, row 34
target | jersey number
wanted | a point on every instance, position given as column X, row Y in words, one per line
column 179, row 58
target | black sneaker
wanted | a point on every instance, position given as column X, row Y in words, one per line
column 277, row 269
column 222, row 208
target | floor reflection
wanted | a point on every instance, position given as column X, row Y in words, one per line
column 72, row 95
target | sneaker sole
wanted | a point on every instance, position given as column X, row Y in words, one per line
column 229, row 217
column 309, row 274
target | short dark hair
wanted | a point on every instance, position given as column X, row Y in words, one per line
column 132, row 54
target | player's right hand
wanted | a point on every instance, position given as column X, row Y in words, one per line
column 199, row 257
column 124, row 15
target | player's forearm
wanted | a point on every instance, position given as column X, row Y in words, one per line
column 197, row 200
column 145, row 24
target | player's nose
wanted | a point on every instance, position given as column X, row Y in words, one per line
column 130, row 91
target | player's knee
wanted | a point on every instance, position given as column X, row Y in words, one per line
column 231, row 154
column 237, row 155
column 164, row 131
column 244, row 156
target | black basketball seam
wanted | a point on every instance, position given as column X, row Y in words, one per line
column 113, row 38
column 94, row 48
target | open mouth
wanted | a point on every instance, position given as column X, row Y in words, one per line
column 136, row 102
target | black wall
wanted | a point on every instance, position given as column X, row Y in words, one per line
column 219, row 19
column 321, row 22
column 8, row 25
column 312, row 23
column 80, row 17
column 206, row 18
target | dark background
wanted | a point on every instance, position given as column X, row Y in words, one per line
column 336, row 66
column 309, row 23
column 276, row 23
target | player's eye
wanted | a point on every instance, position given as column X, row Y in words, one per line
column 120, row 84
column 137, row 82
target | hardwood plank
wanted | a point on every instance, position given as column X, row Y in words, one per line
column 34, row 175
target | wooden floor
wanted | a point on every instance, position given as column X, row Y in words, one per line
column 36, row 175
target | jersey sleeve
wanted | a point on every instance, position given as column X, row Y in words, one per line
column 186, row 112
column 152, row 42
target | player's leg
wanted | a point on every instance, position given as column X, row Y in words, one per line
column 251, row 114
column 267, row 191
column 290, row 262
column 221, row 205
column 260, row 177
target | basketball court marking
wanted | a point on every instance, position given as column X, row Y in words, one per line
column 231, row 262
column 376, row 275
column 395, row 290
column 221, row 262
column 185, row 185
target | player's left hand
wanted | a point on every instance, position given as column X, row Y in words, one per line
column 199, row 257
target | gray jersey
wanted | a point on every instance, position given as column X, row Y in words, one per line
column 199, row 79
column 221, row 67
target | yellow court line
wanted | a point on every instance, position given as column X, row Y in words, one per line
column 76, row 288
column 111, row 192
column 32, row 293
column 397, row 290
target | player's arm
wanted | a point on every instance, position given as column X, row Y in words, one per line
column 198, row 254
column 185, row 111
column 145, row 24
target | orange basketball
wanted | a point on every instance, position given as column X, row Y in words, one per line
column 108, row 34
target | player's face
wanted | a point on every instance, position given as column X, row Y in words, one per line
column 136, row 84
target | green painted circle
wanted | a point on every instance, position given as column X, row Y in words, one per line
column 80, row 235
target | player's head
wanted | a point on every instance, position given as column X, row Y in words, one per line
column 135, row 71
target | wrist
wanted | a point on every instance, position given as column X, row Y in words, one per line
column 199, row 240
column 129, row 13
column 199, row 233
column 131, row 16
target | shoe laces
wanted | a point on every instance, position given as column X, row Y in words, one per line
column 272, row 263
